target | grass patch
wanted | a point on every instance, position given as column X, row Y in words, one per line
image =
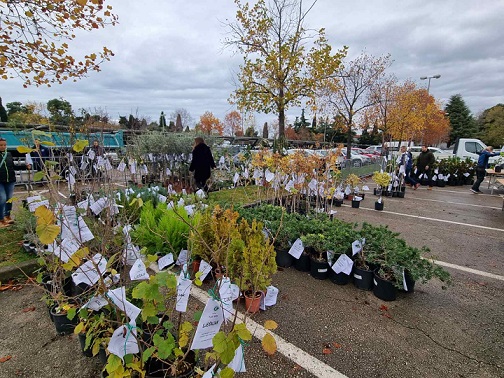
column 239, row 196
column 12, row 251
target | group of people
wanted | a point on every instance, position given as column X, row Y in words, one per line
column 423, row 168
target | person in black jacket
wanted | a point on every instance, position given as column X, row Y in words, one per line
column 425, row 163
column 7, row 182
column 202, row 163
column 40, row 155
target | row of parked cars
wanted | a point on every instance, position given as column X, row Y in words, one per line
column 359, row 156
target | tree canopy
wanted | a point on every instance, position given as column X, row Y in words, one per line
column 462, row 122
column 34, row 38
column 279, row 67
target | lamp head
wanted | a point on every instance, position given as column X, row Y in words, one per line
column 436, row 76
column 423, row 78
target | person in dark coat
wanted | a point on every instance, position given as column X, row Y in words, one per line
column 7, row 182
column 425, row 163
column 39, row 155
column 202, row 163
column 484, row 156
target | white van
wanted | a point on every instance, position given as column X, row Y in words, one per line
column 438, row 153
column 469, row 147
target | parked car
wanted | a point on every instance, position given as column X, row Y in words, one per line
column 438, row 153
column 373, row 157
column 357, row 159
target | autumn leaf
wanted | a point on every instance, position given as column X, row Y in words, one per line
column 24, row 149
column 270, row 325
column 269, row 344
column 47, row 233
column 44, row 215
column 6, row 358
column 80, row 145
column 13, row 199
column 327, row 351
column 336, row 345
column 29, row 309
column 383, row 308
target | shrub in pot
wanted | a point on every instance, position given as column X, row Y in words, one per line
column 315, row 246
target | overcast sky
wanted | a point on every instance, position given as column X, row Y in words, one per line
column 169, row 54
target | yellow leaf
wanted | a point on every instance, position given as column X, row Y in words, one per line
column 269, row 344
column 44, row 216
column 47, row 143
column 270, row 324
column 24, row 149
column 13, row 199
column 38, row 176
column 47, row 233
column 80, row 145
column 82, row 2
column 79, row 328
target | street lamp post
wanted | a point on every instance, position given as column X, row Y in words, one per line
column 429, row 77
column 428, row 89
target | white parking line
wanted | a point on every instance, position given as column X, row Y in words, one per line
column 433, row 219
column 469, row 270
column 456, row 203
column 292, row 352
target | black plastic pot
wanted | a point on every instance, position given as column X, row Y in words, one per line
column 441, row 183
column 338, row 278
column 378, row 205
column 78, row 289
column 383, row 289
column 363, row 279
column 82, row 341
column 156, row 368
column 303, row 263
column 63, row 325
column 338, row 203
column 283, row 258
column 102, row 356
column 355, row 204
column 400, row 194
column 26, row 245
column 319, row 269
column 498, row 169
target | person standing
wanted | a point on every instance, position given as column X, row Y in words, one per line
column 201, row 164
column 95, row 152
column 405, row 163
column 39, row 155
column 484, row 155
column 7, row 182
column 425, row 162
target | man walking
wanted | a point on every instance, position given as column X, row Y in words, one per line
column 484, row 155
column 425, row 162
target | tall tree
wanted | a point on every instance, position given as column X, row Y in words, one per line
column 185, row 117
column 29, row 114
column 280, row 66
column 491, row 125
column 462, row 122
column 350, row 90
column 34, row 38
column 60, row 111
column 178, row 124
column 162, row 121
column 265, row 130
column 233, row 124
column 209, row 124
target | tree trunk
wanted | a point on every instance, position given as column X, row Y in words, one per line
column 349, row 139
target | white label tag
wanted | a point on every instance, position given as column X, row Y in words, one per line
column 138, row 271
column 183, row 292
column 165, row 261
column 343, row 265
column 296, row 249
column 209, row 324
column 124, row 341
column 271, row 296
column 182, row 257
column 204, row 268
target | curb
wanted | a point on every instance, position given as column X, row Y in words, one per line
column 23, row 269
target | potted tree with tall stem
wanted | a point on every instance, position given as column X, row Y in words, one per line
column 382, row 179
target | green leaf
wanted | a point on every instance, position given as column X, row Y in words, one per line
column 24, row 149
column 224, row 346
column 165, row 345
column 242, row 332
column 113, row 363
column 227, row 372
column 38, row 176
column 147, row 353
column 197, row 315
column 51, row 163
column 80, row 145
column 148, row 311
column 71, row 313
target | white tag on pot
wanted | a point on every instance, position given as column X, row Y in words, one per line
column 95, row 303
column 183, row 292
column 296, row 249
column 365, row 187
column 209, row 373
column 271, row 296
column 189, row 209
column 357, row 198
column 343, row 265
column 208, row 326
column 165, row 261
column 124, row 341
column 238, row 362
column 200, row 193
column 356, row 247
column 204, row 268
column 268, row 175
column 182, row 257
column 330, row 257
column 235, row 290
column 466, row 174
column 122, row 166
column 289, row 186
column 262, row 304
column 404, row 281
column 118, row 297
column 227, row 296
column 87, row 273
column 138, row 271
column 434, row 178
column 162, row 198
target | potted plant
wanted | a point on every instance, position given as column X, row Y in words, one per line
column 315, row 245
column 352, row 181
column 382, row 179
